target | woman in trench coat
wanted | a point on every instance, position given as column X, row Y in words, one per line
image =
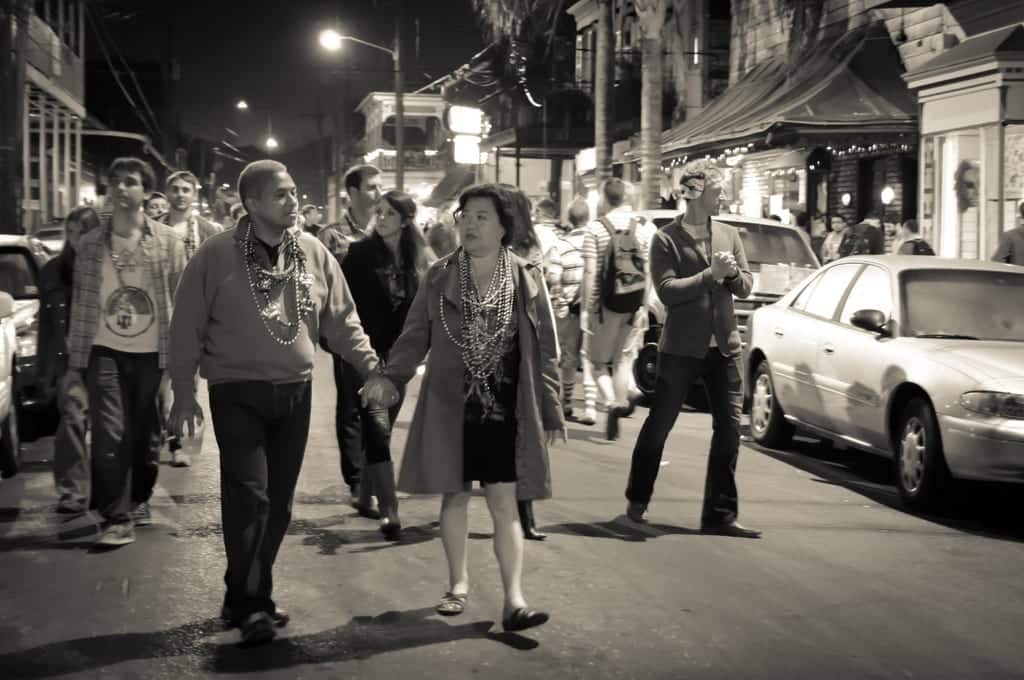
column 489, row 404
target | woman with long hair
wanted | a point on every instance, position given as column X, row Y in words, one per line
column 488, row 407
column 70, row 455
column 527, row 246
column 384, row 272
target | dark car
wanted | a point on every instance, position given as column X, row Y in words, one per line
column 779, row 256
column 21, row 259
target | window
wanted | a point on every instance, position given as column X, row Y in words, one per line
column 978, row 304
column 872, row 290
column 801, row 300
column 829, row 290
column 17, row 274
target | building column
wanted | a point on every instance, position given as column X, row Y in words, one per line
column 26, row 157
column 68, row 201
column 55, row 162
column 44, row 199
column 77, row 195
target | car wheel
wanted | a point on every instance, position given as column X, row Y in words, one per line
column 923, row 476
column 10, row 445
column 645, row 369
column 768, row 423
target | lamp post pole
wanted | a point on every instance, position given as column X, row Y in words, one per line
column 399, row 102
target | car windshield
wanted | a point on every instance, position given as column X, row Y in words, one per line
column 767, row 244
column 17, row 276
column 963, row 304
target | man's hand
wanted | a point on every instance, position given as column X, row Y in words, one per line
column 552, row 436
column 185, row 411
column 723, row 264
column 378, row 391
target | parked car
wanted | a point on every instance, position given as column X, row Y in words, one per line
column 51, row 236
column 919, row 359
column 9, row 444
column 20, row 264
column 779, row 256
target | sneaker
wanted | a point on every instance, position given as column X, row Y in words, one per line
column 258, row 629
column 280, row 617
column 180, row 459
column 141, row 515
column 567, row 411
column 69, row 507
column 116, row 535
column 589, row 417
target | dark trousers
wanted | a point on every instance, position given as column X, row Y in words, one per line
column 122, row 414
column 724, row 389
column 71, row 468
column 348, row 421
column 375, row 424
column 261, row 431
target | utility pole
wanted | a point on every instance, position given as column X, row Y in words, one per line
column 399, row 101
column 12, row 103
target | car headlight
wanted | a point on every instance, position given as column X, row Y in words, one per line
column 999, row 404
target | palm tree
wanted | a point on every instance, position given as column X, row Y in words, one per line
column 651, row 20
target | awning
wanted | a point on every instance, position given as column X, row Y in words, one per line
column 457, row 178
column 853, row 85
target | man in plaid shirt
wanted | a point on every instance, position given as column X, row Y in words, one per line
column 125, row 276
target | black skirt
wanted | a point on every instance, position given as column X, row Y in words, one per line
column 489, row 451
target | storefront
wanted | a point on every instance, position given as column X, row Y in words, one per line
column 832, row 133
column 972, row 142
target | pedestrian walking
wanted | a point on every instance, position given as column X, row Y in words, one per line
column 156, row 206
column 125, row 274
column 311, row 219
column 183, row 189
column 363, row 185
column 384, row 272
column 830, row 246
column 565, row 275
column 488, row 406
column 910, row 241
column 613, row 315
column 1011, row 244
column 527, row 245
column 251, row 308
column 71, row 473
column 697, row 266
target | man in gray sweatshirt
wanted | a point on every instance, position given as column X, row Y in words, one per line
column 252, row 305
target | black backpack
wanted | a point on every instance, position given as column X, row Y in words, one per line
column 921, row 247
column 624, row 280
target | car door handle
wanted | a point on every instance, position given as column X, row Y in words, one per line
column 828, row 348
column 778, row 332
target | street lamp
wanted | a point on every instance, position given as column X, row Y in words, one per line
column 331, row 40
column 271, row 143
column 242, row 105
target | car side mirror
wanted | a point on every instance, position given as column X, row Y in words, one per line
column 6, row 305
column 870, row 320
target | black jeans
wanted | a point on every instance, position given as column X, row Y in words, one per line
column 348, row 421
column 261, row 430
column 724, row 388
column 122, row 389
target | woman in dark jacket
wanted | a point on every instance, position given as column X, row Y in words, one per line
column 70, row 456
column 384, row 272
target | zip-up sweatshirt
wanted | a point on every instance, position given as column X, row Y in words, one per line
column 217, row 325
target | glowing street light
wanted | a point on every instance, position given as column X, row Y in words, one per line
column 242, row 105
column 271, row 143
column 330, row 40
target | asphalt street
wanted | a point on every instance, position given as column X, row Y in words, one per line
column 844, row 584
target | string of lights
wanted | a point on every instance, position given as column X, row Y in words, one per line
column 733, row 155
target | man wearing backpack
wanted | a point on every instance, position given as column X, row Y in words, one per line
column 865, row 238
column 911, row 242
column 612, row 315
column 697, row 266
column 564, row 271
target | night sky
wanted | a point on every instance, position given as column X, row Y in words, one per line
column 267, row 53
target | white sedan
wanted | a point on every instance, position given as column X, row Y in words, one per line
column 9, row 442
column 920, row 359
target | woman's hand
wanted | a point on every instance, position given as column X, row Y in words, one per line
column 379, row 392
column 552, row 436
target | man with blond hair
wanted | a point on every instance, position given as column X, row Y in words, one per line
column 697, row 266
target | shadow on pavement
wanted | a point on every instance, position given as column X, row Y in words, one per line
column 361, row 638
column 621, row 528
column 979, row 508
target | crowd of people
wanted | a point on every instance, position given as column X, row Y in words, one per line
column 145, row 302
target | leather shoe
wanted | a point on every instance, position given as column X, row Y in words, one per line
column 635, row 511
column 734, row 529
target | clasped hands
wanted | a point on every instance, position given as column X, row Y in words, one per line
column 378, row 392
column 723, row 265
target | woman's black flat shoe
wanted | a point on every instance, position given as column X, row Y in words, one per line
column 391, row 530
column 524, row 618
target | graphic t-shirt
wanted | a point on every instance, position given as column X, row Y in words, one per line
column 128, row 319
